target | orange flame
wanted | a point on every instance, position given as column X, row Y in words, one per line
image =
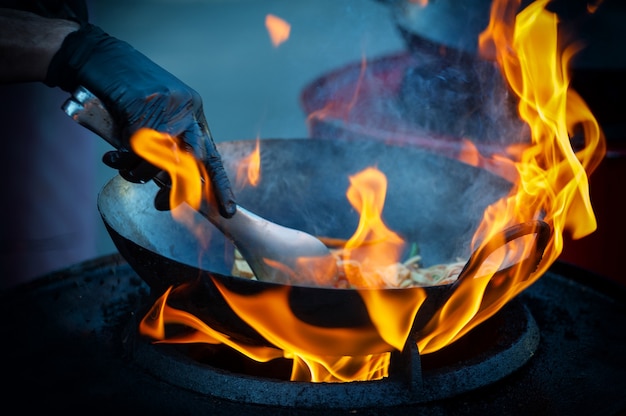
column 337, row 107
column 593, row 7
column 373, row 245
column 190, row 182
column 153, row 325
column 552, row 182
column 278, row 29
column 165, row 152
column 249, row 168
column 319, row 354
column 501, row 165
column 553, row 175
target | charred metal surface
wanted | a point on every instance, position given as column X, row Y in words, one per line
column 68, row 337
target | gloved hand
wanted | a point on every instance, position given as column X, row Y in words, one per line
column 139, row 93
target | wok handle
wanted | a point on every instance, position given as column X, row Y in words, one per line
column 529, row 264
column 87, row 110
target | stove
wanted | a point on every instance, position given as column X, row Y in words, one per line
column 72, row 345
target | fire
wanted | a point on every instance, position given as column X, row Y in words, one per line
column 336, row 107
column 189, row 178
column 550, row 183
column 500, row 164
column 553, row 174
column 186, row 173
column 322, row 354
column 373, row 246
column 593, row 7
column 160, row 314
column 249, row 168
column 278, row 29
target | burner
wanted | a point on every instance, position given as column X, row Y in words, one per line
column 71, row 345
column 492, row 351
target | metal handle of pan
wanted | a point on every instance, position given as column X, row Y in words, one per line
column 88, row 111
column 527, row 265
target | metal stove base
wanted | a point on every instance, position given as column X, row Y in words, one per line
column 419, row 385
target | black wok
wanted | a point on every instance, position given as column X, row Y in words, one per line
column 431, row 200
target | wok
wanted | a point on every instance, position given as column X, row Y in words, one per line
column 431, row 200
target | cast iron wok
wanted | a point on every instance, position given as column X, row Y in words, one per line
column 433, row 201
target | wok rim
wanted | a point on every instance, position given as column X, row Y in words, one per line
column 266, row 284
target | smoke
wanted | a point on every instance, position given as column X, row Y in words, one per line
column 461, row 97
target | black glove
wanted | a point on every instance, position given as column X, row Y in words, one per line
column 139, row 93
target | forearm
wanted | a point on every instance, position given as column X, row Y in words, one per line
column 27, row 44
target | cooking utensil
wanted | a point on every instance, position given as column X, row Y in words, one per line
column 432, row 201
column 273, row 252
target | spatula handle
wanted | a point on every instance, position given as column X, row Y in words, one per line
column 88, row 111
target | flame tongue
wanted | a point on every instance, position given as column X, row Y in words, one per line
column 249, row 168
column 278, row 29
column 319, row 353
column 553, row 176
column 551, row 179
column 373, row 246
